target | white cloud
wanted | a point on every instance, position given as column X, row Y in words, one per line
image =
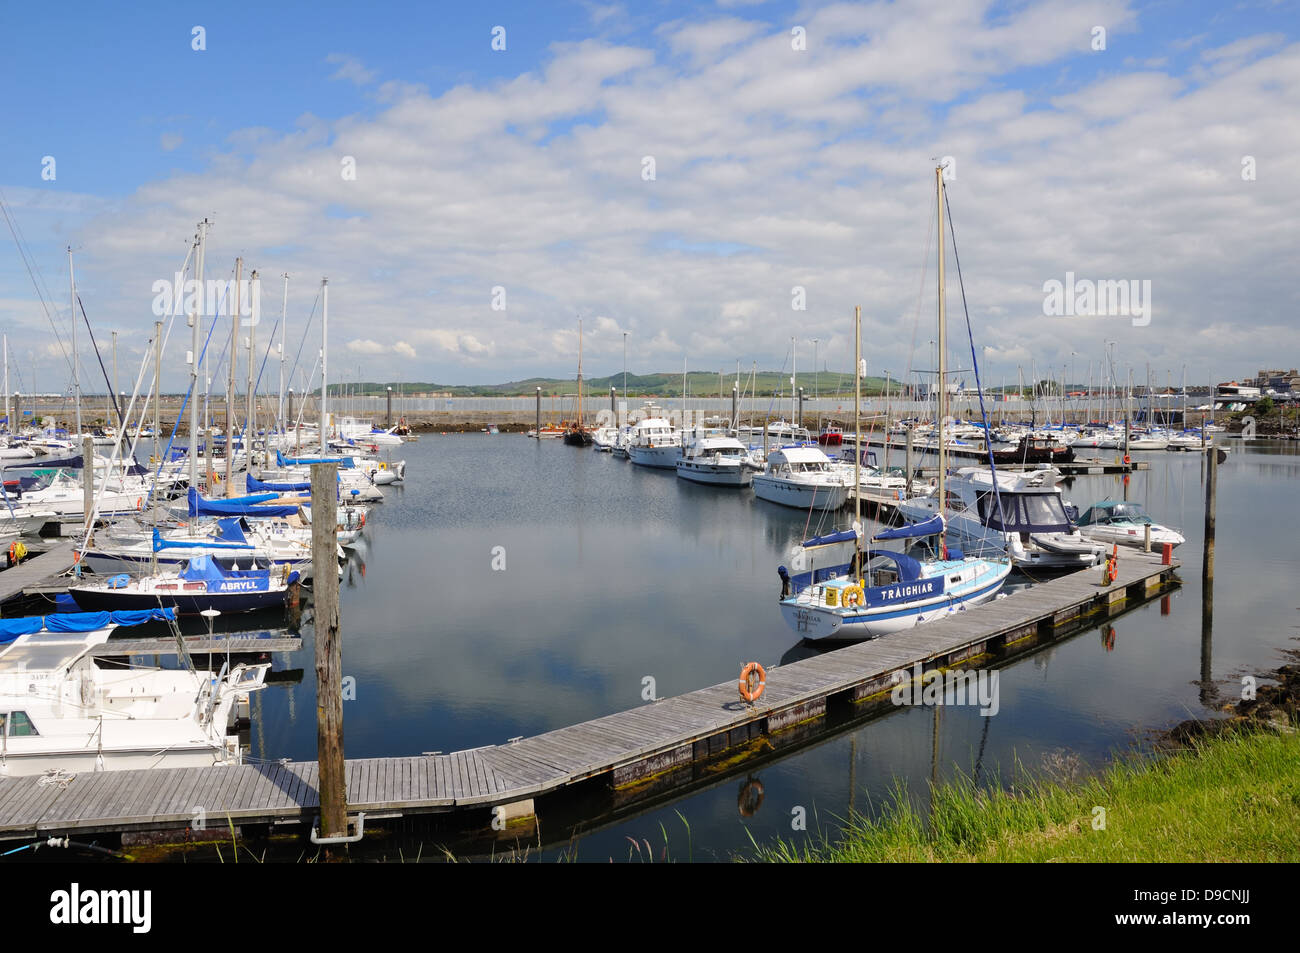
column 351, row 69
column 773, row 169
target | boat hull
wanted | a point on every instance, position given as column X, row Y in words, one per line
column 95, row 599
column 714, row 475
column 800, row 495
column 658, row 458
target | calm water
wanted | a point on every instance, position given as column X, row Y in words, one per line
column 614, row 573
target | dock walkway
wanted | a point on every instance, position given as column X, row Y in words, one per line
column 36, row 570
column 628, row 749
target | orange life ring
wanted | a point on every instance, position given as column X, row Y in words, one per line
column 750, row 798
column 1112, row 565
column 1126, row 460
column 748, row 691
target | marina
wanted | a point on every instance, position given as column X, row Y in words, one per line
column 759, row 433
column 652, row 746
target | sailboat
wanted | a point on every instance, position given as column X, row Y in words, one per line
column 577, row 435
column 840, row 592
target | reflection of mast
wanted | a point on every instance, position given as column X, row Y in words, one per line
column 943, row 388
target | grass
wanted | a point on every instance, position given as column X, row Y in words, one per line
column 1233, row 798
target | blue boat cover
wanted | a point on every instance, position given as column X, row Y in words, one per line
column 931, row 527
column 237, row 506
column 219, row 579
column 255, row 485
column 909, row 568
column 841, row 537
column 347, row 463
column 10, row 629
column 159, row 544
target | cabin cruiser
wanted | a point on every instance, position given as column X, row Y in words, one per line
column 1021, row 514
column 717, row 460
column 839, row 591
column 604, row 438
column 135, row 548
column 802, row 477
column 1125, row 523
column 59, row 711
column 654, row 443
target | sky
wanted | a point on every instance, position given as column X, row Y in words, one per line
column 700, row 182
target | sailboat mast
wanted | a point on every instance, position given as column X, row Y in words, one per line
column 943, row 389
column 230, row 384
column 324, row 359
column 857, row 429
column 249, row 427
column 196, row 321
column 580, row 374
column 76, row 364
column 284, row 315
column 9, row 424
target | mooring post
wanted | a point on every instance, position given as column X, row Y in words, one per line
column 613, row 403
column 1207, row 691
column 735, row 399
column 87, row 480
column 389, row 391
column 1211, row 486
column 329, row 679
column 800, row 424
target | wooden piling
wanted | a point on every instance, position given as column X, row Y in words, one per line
column 538, row 425
column 329, row 677
column 87, row 481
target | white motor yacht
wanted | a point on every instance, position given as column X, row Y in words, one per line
column 802, row 477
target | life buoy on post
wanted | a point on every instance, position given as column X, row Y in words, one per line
column 1112, row 568
column 752, row 682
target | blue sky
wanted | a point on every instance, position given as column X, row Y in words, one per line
column 775, row 168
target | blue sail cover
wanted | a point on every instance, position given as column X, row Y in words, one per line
column 255, row 485
column 10, row 629
column 347, row 463
column 931, row 527
column 159, row 544
column 238, row 506
column 219, row 579
column 841, row 537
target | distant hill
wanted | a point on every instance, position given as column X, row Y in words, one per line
column 702, row 384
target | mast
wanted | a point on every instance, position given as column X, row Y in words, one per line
column 579, row 374
column 857, row 434
column 230, row 384
column 9, row 424
column 249, row 428
column 76, row 365
column 324, row 358
column 943, row 390
column 284, row 311
column 794, row 381
column 196, row 323
column 157, row 415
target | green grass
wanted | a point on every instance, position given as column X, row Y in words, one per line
column 1235, row 798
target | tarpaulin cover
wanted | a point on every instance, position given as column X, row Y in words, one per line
column 238, row 506
column 10, row 629
column 254, row 485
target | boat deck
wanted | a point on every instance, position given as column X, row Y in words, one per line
column 638, row 750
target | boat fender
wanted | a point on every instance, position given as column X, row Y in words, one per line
column 138, row 501
column 751, row 690
column 785, row 581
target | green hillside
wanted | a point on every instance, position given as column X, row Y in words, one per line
column 698, row 384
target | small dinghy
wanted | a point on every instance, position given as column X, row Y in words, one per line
column 204, row 582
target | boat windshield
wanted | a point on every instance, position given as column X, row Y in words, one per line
column 1116, row 513
column 40, row 657
column 1025, row 513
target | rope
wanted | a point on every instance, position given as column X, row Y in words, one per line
column 57, row 776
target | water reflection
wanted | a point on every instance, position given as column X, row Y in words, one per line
column 615, row 573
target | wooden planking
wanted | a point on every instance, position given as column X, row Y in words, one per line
column 544, row 762
column 35, row 570
column 220, row 645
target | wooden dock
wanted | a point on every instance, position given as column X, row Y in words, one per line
column 35, row 571
column 638, row 753
column 200, row 645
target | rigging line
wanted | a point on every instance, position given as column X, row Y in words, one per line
column 121, row 422
column 27, row 263
column 970, row 335
column 303, row 340
column 189, row 394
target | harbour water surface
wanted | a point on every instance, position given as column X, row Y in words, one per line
column 514, row 586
